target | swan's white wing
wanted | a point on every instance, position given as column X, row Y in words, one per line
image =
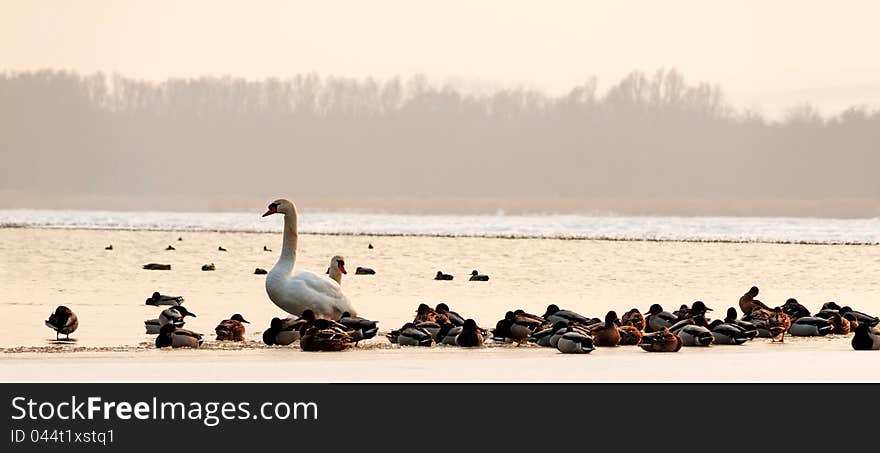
column 319, row 293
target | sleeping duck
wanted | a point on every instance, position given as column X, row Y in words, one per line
column 629, row 335
column 157, row 267
column 477, row 277
column 159, row 299
column 633, row 318
column 682, row 311
column 554, row 314
column 794, row 309
column 574, row 342
column 315, row 339
column 62, row 321
column 449, row 338
column 810, row 326
column 453, row 317
column 441, row 276
column 750, row 329
column 410, row 335
column 364, row 271
column 694, row 335
column 209, row 267
column 726, row 333
column 657, row 319
column 359, row 328
column 470, row 336
column 231, row 329
column 866, row 338
column 170, row 335
column 523, row 325
column 661, row 341
column 607, row 334
column 283, row 331
column 542, row 337
column 862, row 318
column 424, row 313
column 839, row 324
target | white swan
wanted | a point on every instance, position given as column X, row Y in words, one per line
column 295, row 292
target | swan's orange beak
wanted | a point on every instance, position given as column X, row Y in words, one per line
column 342, row 268
column 272, row 210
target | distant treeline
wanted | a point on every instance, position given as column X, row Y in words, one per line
column 647, row 137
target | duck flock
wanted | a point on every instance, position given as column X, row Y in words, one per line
column 324, row 319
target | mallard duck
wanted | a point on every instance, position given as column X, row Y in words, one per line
column 523, row 325
column 171, row 315
column 260, row 271
column 410, row 335
column 542, row 337
column 109, row 247
column 209, row 267
column 726, row 333
column 862, row 318
column 750, row 329
column 310, row 319
column 657, row 319
column 470, row 336
column 633, row 318
column 866, row 338
column 221, row 249
column 574, row 342
column 453, row 317
column 441, row 276
column 449, row 338
column 747, row 302
column 698, row 308
column 157, row 267
column 778, row 323
column 359, row 328
column 629, row 335
column 839, row 324
column 314, row 339
column 607, row 334
column 694, row 335
column 477, row 277
column 169, row 248
column 661, row 341
column 158, row 299
column 63, row 321
column 554, row 314
column 170, row 335
column 231, row 329
column 794, row 309
column 810, row 326
column 682, row 311
column 266, row 249
column 370, row 246
column 424, row 313
column 283, row 331
column 364, row 271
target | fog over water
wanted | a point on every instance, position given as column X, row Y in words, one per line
column 651, row 144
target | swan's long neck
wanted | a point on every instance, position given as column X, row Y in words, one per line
column 335, row 273
column 288, row 247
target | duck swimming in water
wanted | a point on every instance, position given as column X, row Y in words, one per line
column 158, row 299
column 477, row 277
column 441, row 276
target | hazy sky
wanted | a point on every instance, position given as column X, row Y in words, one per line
column 765, row 55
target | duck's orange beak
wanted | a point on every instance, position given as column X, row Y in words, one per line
column 271, row 211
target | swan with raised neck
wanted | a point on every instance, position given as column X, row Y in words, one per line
column 297, row 291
